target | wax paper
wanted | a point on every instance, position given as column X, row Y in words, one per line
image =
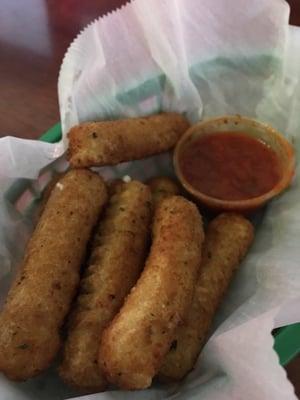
column 201, row 58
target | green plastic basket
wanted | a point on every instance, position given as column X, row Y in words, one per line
column 286, row 339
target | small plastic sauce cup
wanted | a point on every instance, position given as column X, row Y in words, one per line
column 246, row 126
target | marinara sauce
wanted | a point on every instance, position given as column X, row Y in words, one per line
column 230, row 166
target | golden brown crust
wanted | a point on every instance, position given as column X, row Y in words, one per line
column 162, row 187
column 227, row 241
column 47, row 191
column 41, row 295
column 118, row 255
column 111, row 142
column 114, row 186
column 135, row 343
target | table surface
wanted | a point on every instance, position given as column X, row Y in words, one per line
column 34, row 35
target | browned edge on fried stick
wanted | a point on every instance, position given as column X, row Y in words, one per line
column 137, row 340
column 227, row 241
column 162, row 187
column 117, row 257
column 111, row 142
column 40, row 297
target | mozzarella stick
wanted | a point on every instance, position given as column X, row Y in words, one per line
column 227, row 241
column 111, row 142
column 118, row 255
column 115, row 186
column 162, row 187
column 42, row 293
column 135, row 343
column 47, row 191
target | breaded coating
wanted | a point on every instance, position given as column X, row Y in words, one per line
column 227, row 241
column 42, row 293
column 137, row 340
column 47, row 191
column 162, row 187
column 111, row 142
column 114, row 186
column 118, row 255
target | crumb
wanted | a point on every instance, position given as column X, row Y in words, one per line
column 126, row 178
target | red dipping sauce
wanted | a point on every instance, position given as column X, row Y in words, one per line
column 230, row 166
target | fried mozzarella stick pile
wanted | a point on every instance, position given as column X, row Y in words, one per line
column 117, row 257
column 161, row 188
column 42, row 293
column 137, row 340
column 227, row 241
column 111, row 142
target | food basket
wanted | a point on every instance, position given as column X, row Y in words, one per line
column 23, row 194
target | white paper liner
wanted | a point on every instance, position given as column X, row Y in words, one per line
column 201, row 58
